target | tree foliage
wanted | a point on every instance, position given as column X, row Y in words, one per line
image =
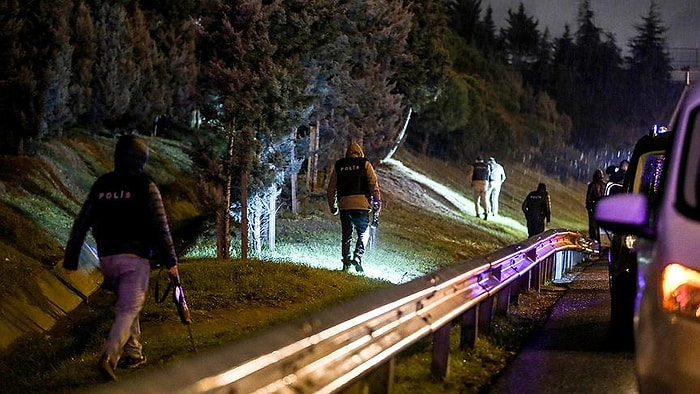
column 243, row 82
column 649, row 65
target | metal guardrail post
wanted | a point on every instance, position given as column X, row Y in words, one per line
column 534, row 278
column 381, row 380
column 439, row 366
column 468, row 334
column 502, row 300
column 549, row 269
column 485, row 315
column 559, row 267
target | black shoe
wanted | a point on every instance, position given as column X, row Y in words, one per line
column 106, row 368
column 132, row 362
column 358, row 265
column 346, row 264
column 486, row 216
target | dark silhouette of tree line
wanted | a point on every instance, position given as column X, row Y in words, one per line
column 256, row 88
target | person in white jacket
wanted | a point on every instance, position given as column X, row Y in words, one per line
column 497, row 175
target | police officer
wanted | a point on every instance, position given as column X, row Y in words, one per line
column 537, row 208
column 352, row 190
column 125, row 212
column 480, row 184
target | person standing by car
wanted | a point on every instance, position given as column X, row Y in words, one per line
column 497, row 175
column 480, row 182
column 125, row 212
column 619, row 175
column 594, row 192
column 353, row 191
column 537, row 208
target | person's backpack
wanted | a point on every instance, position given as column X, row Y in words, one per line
column 481, row 171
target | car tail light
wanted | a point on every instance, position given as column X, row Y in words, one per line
column 680, row 288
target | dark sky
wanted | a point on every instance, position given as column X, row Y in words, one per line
column 681, row 17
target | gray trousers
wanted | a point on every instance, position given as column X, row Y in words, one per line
column 493, row 194
column 129, row 275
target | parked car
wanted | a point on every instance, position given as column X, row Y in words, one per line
column 667, row 224
column 643, row 176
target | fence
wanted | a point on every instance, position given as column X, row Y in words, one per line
column 354, row 344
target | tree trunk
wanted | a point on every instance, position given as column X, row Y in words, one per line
column 244, row 216
column 400, row 137
column 295, row 203
column 312, row 167
column 221, row 230
column 272, row 218
column 223, row 218
column 293, row 178
column 255, row 228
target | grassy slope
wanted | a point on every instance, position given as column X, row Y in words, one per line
column 230, row 300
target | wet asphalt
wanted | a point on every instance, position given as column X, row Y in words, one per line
column 574, row 352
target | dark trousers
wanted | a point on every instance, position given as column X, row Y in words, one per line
column 535, row 226
column 357, row 220
column 593, row 229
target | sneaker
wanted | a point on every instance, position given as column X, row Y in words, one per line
column 132, row 362
column 106, row 368
column 347, row 262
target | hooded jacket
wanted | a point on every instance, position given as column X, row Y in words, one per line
column 124, row 210
column 595, row 190
column 353, row 182
column 537, row 205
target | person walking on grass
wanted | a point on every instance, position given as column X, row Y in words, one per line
column 125, row 211
column 537, row 208
column 497, row 175
column 480, row 181
column 352, row 189
column 594, row 192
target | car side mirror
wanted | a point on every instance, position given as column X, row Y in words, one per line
column 624, row 213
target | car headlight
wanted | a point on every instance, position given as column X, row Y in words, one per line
column 630, row 240
column 680, row 288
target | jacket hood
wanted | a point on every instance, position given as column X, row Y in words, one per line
column 130, row 154
column 354, row 150
column 598, row 176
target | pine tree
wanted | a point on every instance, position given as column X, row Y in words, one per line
column 150, row 94
column 465, row 18
column 596, row 63
column 84, row 56
column 521, row 39
column 253, row 96
column 649, row 71
column 116, row 72
column 355, row 78
column 485, row 37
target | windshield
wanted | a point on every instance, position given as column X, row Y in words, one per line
column 649, row 171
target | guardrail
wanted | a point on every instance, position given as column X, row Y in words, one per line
column 355, row 343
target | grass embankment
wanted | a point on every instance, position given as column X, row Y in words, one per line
column 423, row 227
